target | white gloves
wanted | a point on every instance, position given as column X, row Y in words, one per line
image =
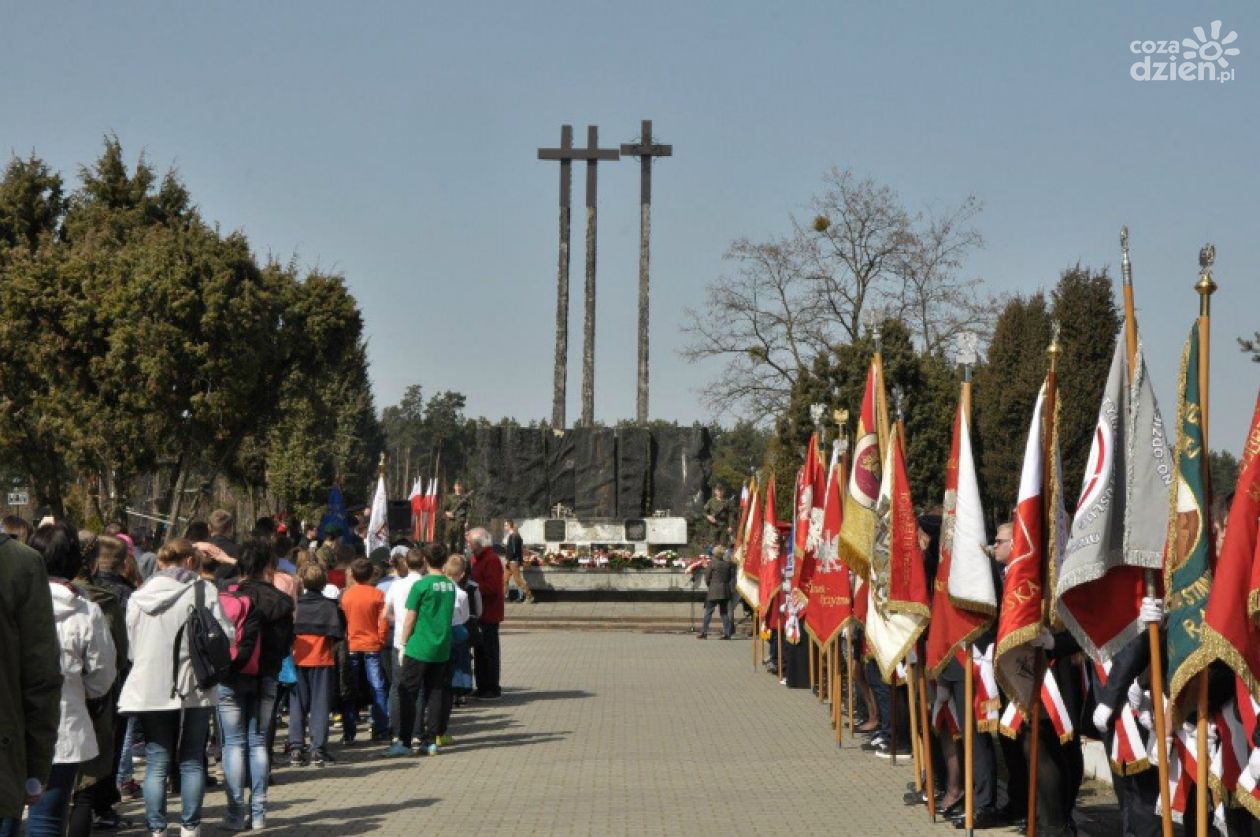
column 1137, row 696
column 1152, row 611
column 1102, row 717
column 1045, row 639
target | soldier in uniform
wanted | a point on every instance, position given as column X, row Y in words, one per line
column 719, row 515
column 455, row 517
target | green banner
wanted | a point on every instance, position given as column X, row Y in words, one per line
column 1188, row 573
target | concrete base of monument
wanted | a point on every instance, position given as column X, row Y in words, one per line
column 555, row 583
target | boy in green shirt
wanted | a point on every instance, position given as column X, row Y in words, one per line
column 425, row 673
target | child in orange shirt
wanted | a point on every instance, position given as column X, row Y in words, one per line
column 364, row 608
column 317, row 624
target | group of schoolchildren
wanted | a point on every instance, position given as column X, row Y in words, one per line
column 228, row 635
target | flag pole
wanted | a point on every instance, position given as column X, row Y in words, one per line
column 813, row 682
column 1049, row 408
column 1205, row 287
column 969, row 685
column 1152, row 630
column 756, row 636
column 911, row 673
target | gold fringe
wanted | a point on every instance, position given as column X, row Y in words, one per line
column 909, row 608
column 1253, row 603
column 983, row 608
column 1249, row 802
column 1011, row 641
column 1121, row 769
column 970, row 637
column 1190, row 667
column 1223, row 650
column 887, row 675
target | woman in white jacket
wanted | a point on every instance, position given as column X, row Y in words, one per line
column 88, row 668
column 161, row 689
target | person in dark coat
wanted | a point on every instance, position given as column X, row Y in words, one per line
column 718, row 577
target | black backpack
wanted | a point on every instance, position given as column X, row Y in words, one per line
column 209, row 646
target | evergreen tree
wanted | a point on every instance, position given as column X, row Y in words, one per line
column 1085, row 308
column 1004, row 393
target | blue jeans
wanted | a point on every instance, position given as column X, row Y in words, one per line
column 728, row 623
column 376, row 682
column 126, row 766
column 47, row 817
column 246, row 709
column 164, row 735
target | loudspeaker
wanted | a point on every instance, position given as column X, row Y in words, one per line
column 636, row 530
column 398, row 514
column 554, row 530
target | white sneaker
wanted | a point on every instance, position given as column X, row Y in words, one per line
column 258, row 824
column 184, row 831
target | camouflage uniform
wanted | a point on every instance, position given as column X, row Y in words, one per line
column 456, row 504
column 718, row 534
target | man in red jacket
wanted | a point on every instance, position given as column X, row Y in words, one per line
column 487, row 571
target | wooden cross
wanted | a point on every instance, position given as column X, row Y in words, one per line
column 592, row 154
column 561, row 376
column 645, row 150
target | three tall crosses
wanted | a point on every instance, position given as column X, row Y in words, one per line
column 646, row 151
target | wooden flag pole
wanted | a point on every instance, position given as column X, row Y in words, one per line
column 1205, row 288
column 813, row 683
column 756, row 636
column 912, row 704
column 849, row 667
column 1152, row 630
column 926, row 730
column 892, row 718
column 836, row 703
column 969, row 741
column 969, row 683
column 1047, row 489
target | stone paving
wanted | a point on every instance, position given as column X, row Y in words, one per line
column 607, row 733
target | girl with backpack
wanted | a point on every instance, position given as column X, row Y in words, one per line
column 178, row 639
column 263, row 618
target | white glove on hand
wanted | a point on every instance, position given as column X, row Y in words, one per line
column 912, row 658
column 1253, row 765
column 1137, row 696
column 1102, row 717
column 1146, row 719
column 1045, row 639
column 1152, row 611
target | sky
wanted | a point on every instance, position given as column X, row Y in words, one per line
column 395, row 142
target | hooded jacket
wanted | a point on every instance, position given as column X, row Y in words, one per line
column 30, row 689
column 155, row 613
column 273, row 628
column 88, row 666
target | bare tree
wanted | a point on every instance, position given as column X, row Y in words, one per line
column 934, row 300
column 761, row 321
column 792, row 299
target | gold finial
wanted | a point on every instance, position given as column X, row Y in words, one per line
column 1055, row 348
column 1206, row 285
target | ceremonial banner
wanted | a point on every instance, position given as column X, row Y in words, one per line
column 964, row 601
column 830, row 593
column 857, row 533
column 1188, row 576
column 1229, row 628
column 898, row 608
column 811, row 486
column 1122, row 517
column 1021, row 617
column 770, row 568
column 334, row 515
column 378, row 523
column 750, row 565
column 417, row 509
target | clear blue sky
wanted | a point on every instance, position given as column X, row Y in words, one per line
column 395, row 142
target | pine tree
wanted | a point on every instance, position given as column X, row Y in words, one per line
column 1005, row 391
column 1085, row 308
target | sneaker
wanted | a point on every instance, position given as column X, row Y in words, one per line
column 233, row 824
column 110, row 821
column 298, row 757
column 397, row 750
column 131, row 789
column 495, row 695
column 431, row 749
column 701, row 636
column 258, row 824
column 886, row 752
column 445, row 741
column 185, row 831
column 320, row 757
column 347, row 740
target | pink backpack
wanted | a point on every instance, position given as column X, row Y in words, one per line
column 237, row 607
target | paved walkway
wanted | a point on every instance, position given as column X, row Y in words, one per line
column 608, row 733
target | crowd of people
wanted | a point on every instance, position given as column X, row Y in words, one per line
column 200, row 648
column 1089, row 701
